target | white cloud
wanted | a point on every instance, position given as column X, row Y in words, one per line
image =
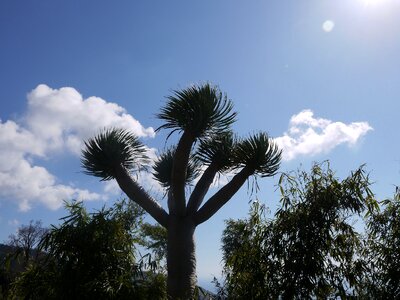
column 309, row 136
column 15, row 142
column 62, row 118
column 56, row 120
column 29, row 184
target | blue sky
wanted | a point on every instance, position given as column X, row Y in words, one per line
column 323, row 77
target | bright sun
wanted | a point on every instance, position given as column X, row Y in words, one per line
column 373, row 2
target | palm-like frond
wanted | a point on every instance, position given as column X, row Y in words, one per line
column 162, row 169
column 259, row 153
column 112, row 148
column 200, row 110
column 218, row 149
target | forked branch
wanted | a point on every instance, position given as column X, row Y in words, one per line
column 201, row 188
column 136, row 193
column 222, row 196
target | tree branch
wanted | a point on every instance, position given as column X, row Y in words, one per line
column 179, row 169
column 222, row 196
column 136, row 193
column 201, row 188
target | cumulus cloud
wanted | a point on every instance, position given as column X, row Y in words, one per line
column 55, row 120
column 309, row 136
column 62, row 118
column 29, row 184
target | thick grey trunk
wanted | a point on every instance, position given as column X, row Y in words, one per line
column 181, row 258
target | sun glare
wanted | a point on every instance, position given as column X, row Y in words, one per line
column 373, row 2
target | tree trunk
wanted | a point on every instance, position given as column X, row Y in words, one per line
column 181, row 258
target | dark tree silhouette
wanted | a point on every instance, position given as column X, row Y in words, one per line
column 380, row 278
column 203, row 116
column 309, row 250
column 92, row 256
column 27, row 239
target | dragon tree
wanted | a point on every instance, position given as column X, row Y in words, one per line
column 206, row 147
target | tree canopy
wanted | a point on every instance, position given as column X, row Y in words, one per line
column 203, row 117
column 310, row 249
column 381, row 252
column 93, row 256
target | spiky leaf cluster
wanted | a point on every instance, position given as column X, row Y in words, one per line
column 217, row 149
column 112, row 148
column 162, row 169
column 259, row 153
column 199, row 110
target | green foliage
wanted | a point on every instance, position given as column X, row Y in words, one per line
column 309, row 249
column 111, row 148
column 5, row 279
column 19, row 253
column 162, row 169
column 200, row 110
column 317, row 240
column 381, row 252
column 155, row 239
column 91, row 256
column 245, row 270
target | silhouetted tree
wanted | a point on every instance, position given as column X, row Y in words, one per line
column 309, row 250
column 19, row 253
column 92, row 256
column 381, row 252
column 203, row 116
column 27, row 239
